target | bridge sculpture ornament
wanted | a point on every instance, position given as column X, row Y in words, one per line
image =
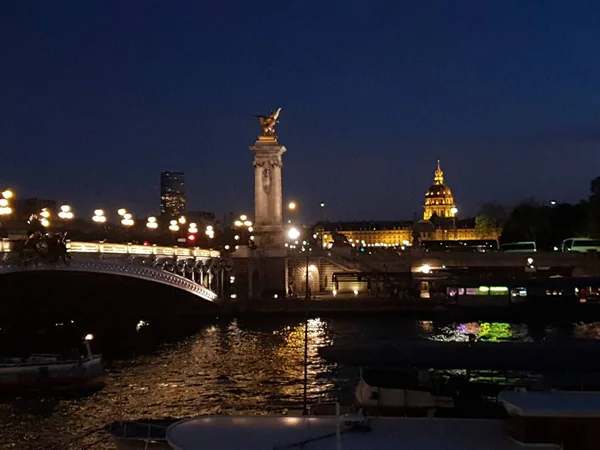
column 267, row 125
column 129, row 269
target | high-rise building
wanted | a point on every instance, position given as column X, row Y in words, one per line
column 172, row 194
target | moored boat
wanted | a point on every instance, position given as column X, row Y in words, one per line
column 400, row 392
column 49, row 371
column 354, row 432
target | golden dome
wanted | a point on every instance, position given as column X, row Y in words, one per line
column 438, row 198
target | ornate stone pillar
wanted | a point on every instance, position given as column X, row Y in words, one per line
column 268, row 195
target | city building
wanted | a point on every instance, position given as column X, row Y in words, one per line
column 172, row 194
column 438, row 198
column 440, row 223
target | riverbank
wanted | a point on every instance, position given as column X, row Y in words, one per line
column 424, row 309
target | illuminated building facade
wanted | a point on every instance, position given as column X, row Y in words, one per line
column 172, row 194
column 438, row 198
column 439, row 224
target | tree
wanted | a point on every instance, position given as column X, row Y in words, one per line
column 484, row 225
column 495, row 212
column 491, row 216
column 528, row 221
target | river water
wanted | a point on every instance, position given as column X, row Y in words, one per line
column 227, row 366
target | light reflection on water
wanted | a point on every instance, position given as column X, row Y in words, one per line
column 240, row 366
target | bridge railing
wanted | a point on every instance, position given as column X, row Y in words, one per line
column 7, row 246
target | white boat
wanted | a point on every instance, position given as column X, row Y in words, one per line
column 393, row 392
column 43, row 371
column 343, row 432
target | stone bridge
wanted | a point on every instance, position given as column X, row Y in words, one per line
column 141, row 272
column 199, row 272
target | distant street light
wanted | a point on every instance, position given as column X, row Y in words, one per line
column 454, row 211
column 7, row 194
column 151, row 223
column 45, row 213
column 127, row 220
column 121, row 211
column 173, row 226
column 210, row 232
column 182, row 220
column 292, row 206
column 99, row 216
column 293, row 233
column 65, row 212
column 44, row 222
column 193, row 228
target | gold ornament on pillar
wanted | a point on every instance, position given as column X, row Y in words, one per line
column 267, row 126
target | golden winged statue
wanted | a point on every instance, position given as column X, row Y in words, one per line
column 267, row 124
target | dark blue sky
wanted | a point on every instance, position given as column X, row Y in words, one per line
column 97, row 97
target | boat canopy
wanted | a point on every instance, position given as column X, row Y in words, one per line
column 552, row 404
column 319, row 433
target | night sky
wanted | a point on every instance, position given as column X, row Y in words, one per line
column 98, row 97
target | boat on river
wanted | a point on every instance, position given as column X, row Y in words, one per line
column 535, row 421
column 49, row 371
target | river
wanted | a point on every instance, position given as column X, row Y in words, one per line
column 246, row 365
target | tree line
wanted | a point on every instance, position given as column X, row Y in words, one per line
column 547, row 224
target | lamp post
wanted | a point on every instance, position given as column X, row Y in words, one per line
column 322, row 206
column 99, row 216
column 293, row 234
column 152, row 223
column 45, row 217
column 454, row 211
column 66, row 213
column 5, row 209
column 243, row 222
column 127, row 220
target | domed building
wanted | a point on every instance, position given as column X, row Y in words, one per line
column 438, row 198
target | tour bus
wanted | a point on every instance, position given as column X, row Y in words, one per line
column 519, row 247
column 580, row 245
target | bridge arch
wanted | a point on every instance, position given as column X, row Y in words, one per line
column 140, row 272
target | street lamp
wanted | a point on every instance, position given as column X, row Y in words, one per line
column 99, row 216
column 242, row 222
column 152, row 223
column 182, row 220
column 121, row 211
column 210, row 232
column 65, row 212
column 292, row 206
column 173, row 226
column 293, row 233
column 5, row 208
column 127, row 220
column 454, row 211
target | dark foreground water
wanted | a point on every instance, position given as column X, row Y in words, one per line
column 226, row 366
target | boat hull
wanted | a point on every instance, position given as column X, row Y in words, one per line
column 52, row 374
